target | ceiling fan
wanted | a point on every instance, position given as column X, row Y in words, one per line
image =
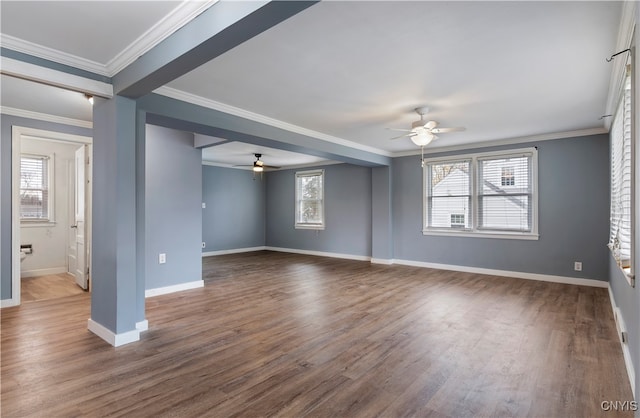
column 258, row 166
column 423, row 132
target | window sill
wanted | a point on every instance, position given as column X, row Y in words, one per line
column 479, row 234
column 316, row 227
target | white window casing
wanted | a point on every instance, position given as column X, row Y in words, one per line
column 495, row 191
column 36, row 188
column 309, row 210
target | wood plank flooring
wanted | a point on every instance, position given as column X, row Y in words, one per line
column 287, row 335
column 48, row 287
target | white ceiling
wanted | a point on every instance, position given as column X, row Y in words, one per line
column 232, row 154
column 351, row 69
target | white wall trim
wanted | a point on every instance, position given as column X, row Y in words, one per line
column 233, row 251
column 507, row 273
column 11, row 111
column 165, row 27
column 42, row 272
column 626, row 353
column 112, row 338
column 36, row 50
column 142, row 325
column 57, row 78
column 236, row 111
column 384, row 261
column 7, row 303
column 172, row 289
column 319, row 253
column 507, row 141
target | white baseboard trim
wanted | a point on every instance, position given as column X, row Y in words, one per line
column 626, row 353
column 112, row 338
column 172, row 289
column 7, row 303
column 385, row 261
column 142, row 325
column 320, row 253
column 507, row 273
column 42, row 272
column 233, row 251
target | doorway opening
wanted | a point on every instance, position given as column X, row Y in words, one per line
column 51, row 214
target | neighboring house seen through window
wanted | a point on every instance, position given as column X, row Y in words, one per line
column 488, row 194
column 310, row 199
column 35, row 188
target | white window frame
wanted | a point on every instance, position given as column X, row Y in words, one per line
column 50, row 218
column 474, row 230
column 626, row 110
column 308, row 225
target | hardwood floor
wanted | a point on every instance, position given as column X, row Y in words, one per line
column 48, row 287
column 286, row 335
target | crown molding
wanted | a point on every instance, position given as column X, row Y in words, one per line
column 11, row 111
column 625, row 35
column 51, row 54
column 256, row 117
column 502, row 142
column 177, row 18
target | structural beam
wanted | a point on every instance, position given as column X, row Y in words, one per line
column 220, row 28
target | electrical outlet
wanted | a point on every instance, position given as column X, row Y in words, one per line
column 577, row 266
column 204, row 205
column 162, row 258
column 204, row 244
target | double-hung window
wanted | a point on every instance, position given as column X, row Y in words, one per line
column 621, row 235
column 36, row 195
column 310, row 199
column 488, row 194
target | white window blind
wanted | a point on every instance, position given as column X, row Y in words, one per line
column 486, row 194
column 310, row 199
column 34, row 188
column 449, row 192
column 504, row 205
column 621, row 179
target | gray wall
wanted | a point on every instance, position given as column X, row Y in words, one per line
column 347, row 196
column 6, row 123
column 234, row 216
column 173, row 196
column 573, row 178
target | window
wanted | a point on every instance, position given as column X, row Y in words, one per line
column 508, row 177
column 35, row 191
column 489, row 194
column 457, row 220
column 310, row 199
column 620, row 237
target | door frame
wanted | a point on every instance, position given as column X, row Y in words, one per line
column 17, row 134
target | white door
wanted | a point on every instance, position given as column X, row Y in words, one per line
column 81, row 272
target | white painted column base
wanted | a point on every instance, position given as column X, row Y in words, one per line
column 112, row 338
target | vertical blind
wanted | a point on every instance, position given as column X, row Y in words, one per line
column 34, row 187
column 620, row 222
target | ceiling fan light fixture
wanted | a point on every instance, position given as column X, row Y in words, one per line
column 257, row 167
column 423, row 139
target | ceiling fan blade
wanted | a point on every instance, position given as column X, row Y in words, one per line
column 272, row 167
column 445, row 130
column 408, row 135
column 399, row 130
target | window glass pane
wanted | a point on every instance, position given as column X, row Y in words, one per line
column 505, row 213
column 34, row 183
column 449, row 191
column 309, row 199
